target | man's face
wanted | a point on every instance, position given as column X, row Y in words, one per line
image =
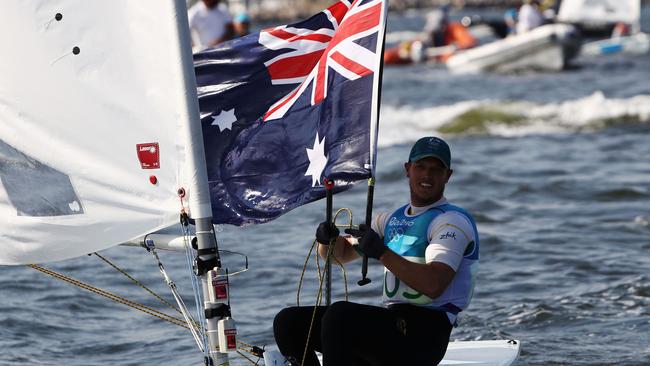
column 427, row 179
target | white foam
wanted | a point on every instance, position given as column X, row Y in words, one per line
column 404, row 124
column 407, row 123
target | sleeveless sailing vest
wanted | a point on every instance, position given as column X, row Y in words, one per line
column 407, row 236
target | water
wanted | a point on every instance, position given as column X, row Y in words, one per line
column 555, row 168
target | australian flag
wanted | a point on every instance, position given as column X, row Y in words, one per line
column 286, row 108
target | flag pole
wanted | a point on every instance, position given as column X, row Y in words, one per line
column 374, row 129
column 329, row 190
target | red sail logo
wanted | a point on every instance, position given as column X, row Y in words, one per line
column 149, row 155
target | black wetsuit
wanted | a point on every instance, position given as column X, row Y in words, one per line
column 362, row 335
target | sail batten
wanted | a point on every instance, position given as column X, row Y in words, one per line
column 93, row 116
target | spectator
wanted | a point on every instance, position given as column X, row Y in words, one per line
column 242, row 24
column 529, row 17
column 210, row 24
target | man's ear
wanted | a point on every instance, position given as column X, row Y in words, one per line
column 406, row 168
column 449, row 173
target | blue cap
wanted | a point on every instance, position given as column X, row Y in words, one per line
column 431, row 146
column 242, row 18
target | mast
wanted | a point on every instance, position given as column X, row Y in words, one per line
column 207, row 257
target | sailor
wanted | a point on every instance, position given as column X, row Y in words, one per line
column 210, row 24
column 430, row 251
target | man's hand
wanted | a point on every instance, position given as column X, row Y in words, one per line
column 326, row 233
column 370, row 243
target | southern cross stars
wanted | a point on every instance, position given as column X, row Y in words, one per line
column 224, row 120
column 317, row 161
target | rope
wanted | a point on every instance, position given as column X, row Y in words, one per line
column 319, row 272
column 248, row 358
column 181, row 304
column 319, row 295
column 169, row 305
column 245, row 347
column 196, row 286
column 111, row 296
column 253, row 350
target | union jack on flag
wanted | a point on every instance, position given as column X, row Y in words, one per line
column 287, row 107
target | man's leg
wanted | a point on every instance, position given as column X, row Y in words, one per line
column 355, row 334
column 290, row 328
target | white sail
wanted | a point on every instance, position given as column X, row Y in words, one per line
column 600, row 11
column 85, row 88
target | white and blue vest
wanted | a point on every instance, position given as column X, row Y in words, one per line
column 408, row 237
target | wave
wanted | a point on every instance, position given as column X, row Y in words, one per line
column 512, row 118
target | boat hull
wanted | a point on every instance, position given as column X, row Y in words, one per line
column 550, row 47
column 636, row 44
column 466, row 353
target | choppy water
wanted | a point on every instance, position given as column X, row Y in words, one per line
column 555, row 167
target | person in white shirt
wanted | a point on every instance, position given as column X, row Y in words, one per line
column 210, row 24
column 529, row 17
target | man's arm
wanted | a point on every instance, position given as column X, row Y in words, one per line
column 450, row 234
column 343, row 250
column 431, row 279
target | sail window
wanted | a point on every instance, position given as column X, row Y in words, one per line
column 34, row 188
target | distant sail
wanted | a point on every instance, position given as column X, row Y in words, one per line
column 92, row 107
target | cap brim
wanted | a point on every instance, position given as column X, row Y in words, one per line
column 429, row 155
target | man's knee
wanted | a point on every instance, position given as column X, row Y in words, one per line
column 337, row 316
column 285, row 325
column 283, row 316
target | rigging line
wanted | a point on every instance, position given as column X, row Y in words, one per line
column 111, row 296
column 184, row 221
column 143, row 308
column 248, row 358
column 254, row 350
column 314, row 244
column 304, row 270
column 181, row 304
column 319, row 297
column 162, row 300
column 345, row 277
column 194, row 280
column 196, row 290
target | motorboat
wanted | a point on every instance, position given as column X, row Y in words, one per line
column 550, row 47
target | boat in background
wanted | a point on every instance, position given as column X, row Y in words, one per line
column 626, row 36
column 457, row 37
column 598, row 18
column 635, row 44
column 550, row 47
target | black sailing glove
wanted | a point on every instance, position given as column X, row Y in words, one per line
column 370, row 243
column 326, row 232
